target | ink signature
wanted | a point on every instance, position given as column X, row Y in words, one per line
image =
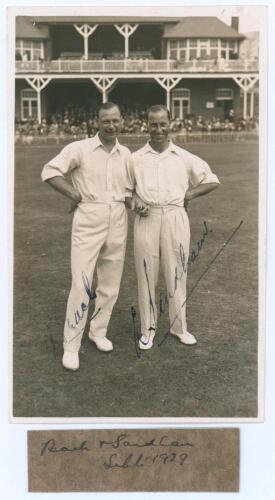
column 194, row 256
column 209, row 265
column 196, row 251
column 50, row 447
column 145, row 458
column 122, row 441
column 80, row 312
column 135, row 332
column 164, row 298
column 152, row 309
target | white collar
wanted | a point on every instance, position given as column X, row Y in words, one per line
column 96, row 142
column 172, row 148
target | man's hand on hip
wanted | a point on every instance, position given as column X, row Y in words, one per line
column 64, row 187
column 199, row 190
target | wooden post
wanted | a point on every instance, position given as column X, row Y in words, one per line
column 39, row 106
column 252, row 105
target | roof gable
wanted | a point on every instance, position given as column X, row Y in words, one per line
column 201, row 27
column 27, row 28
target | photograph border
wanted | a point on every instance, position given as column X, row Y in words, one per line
column 173, row 11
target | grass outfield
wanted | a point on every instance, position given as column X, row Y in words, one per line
column 215, row 378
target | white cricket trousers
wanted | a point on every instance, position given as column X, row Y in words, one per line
column 99, row 233
column 163, row 236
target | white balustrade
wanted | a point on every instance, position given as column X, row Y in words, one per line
column 114, row 66
column 97, row 66
column 135, row 66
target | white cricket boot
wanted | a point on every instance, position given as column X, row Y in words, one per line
column 146, row 341
column 186, row 338
column 70, row 360
column 102, row 343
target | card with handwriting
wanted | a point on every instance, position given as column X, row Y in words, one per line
column 134, row 460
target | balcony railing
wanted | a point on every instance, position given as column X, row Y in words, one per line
column 135, row 66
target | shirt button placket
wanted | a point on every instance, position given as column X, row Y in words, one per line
column 109, row 173
column 157, row 179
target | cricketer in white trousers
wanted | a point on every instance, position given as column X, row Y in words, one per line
column 162, row 237
column 99, row 231
column 162, row 180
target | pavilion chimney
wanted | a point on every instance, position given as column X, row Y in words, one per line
column 235, row 23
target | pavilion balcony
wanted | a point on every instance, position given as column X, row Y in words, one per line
column 136, row 66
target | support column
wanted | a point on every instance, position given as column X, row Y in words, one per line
column 168, row 83
column 168, row 100
column 126, row 30
column 38, row 83
column 252, row 104
column 104, row 85
column 246, row 83
column 85, row 30
column 245, row 103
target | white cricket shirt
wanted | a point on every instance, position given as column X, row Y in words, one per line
column 163, row 178
column 97, row 175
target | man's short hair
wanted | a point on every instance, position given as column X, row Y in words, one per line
column 156, row 108
column 107, row 105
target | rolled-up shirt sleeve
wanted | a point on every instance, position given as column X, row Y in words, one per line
column 66, row 161
column 201, row 173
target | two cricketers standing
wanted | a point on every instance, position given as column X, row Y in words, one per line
column 103, row 178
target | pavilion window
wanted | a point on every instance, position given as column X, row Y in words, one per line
column 181, row 99
column 178, row 50
column 193, row 48
column 31, row 49
column 214, row 48
column 29, row 104
column 232, row 49
column 203, row 48
column 182, row 50
column 224, row 49
column 173, row 49
column 224, row 94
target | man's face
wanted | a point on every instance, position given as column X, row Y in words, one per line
column 158, row 126
column 109, row 123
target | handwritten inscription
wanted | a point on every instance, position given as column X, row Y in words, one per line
column 84, row 306
column 164, row 298
column 50, row 447
column 135, row 332
column 145, row 458
column 210, row 264
column 151, row 453
column 179, row 274
column 122, row 441
column 196, row 251
column 183, row 261
column 152, row 308
column 133, row 461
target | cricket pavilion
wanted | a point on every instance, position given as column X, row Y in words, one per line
column 194, row 65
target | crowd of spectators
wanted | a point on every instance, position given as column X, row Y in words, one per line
column 74, row 124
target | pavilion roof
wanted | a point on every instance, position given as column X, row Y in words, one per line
column 26, row 27
column 201, row 27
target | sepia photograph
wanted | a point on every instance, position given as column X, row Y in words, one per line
column 139, row 214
